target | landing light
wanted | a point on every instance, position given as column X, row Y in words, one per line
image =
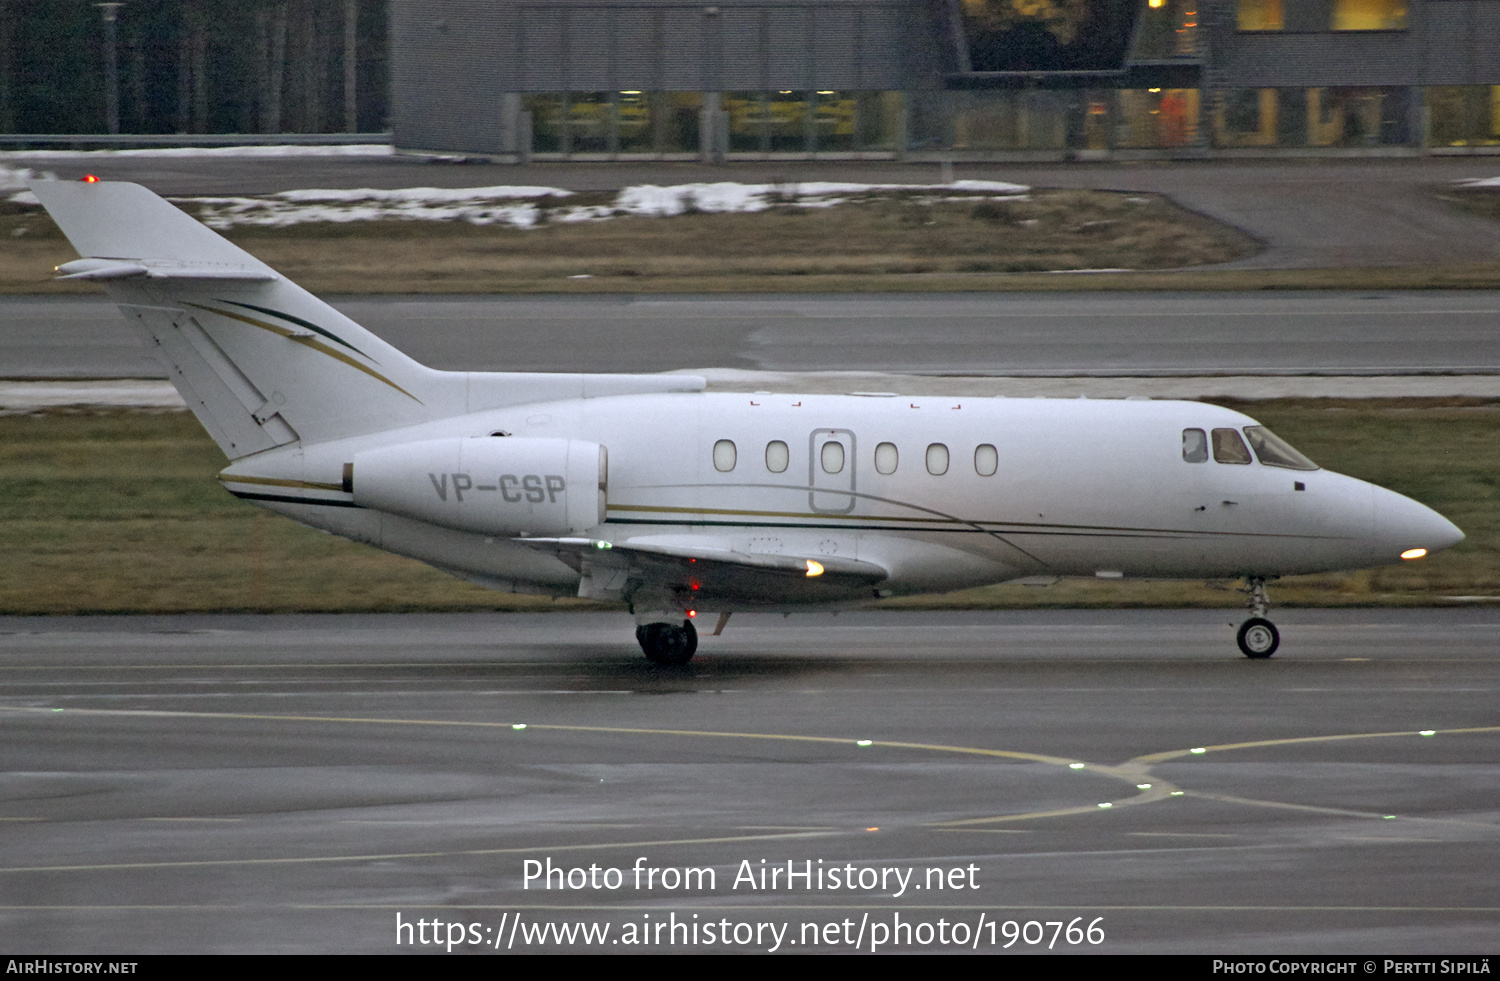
column 1413, row 553
column 814, row 568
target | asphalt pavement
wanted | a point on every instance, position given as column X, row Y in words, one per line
column 1061, row 334
column 308, row 783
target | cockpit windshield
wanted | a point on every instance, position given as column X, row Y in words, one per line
column 1273, row 451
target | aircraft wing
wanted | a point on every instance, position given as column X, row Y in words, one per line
column 709, row 574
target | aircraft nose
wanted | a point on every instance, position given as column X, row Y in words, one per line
column 1409, row 526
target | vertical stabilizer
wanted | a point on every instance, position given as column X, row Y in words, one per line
column 259, row 360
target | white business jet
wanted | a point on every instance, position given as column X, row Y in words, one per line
column 647, row 490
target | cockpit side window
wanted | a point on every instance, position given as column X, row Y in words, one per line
column 1194, row 445
column 1229, row 448
column 1273, row 451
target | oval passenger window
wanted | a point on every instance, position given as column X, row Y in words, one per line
column 937, row 459
column 724, row 455
column 777, row 456
column 986, row 460
column 833, row 457
column 886, row 458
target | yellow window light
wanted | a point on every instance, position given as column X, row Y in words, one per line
column 1413, row 553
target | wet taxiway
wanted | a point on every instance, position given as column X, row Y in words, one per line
column 296, row 783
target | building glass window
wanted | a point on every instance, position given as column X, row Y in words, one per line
column 834, row 117
column 591, row 117
column 748, row 122
column 877, row 120
column 1355, row 117
column 1245, row 117
column 1369, row 15
column 1168, row 29
column 546, row 123
column 1463, row 115
column 675, row 117
column 1158, row 118
column 787, row 122
column 1260, row 15
column 634, row 114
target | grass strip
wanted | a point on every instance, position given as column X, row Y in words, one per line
column 120, row 512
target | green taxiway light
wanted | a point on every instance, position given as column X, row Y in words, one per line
column 1075, row 766
column 1197, row 749
column 864, row 742
column 1428, row 732
column 519, row 726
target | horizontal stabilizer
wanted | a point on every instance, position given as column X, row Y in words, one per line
column 116, row 220
column 104, row 269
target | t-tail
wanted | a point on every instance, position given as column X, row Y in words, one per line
column 260, row 361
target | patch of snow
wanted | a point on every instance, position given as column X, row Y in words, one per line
column 13, row 183
column 530, row 206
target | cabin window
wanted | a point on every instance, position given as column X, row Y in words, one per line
column 777, row 456
column 724, row 455
column 937, row 459
column 986, row 460
column 1194, row 445
column 832, row 457
column 1229, row 448
column 886, row 458
column 1273, row 451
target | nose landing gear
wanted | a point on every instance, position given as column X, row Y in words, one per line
column 1257, row 637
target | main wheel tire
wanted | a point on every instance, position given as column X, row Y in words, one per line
column 1258, row 637
column 667, row 644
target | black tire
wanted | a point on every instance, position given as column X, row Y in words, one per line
column 1258, row 638
column 667, row 644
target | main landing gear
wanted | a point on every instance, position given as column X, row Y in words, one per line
column 1258, row 637
column 668, row 644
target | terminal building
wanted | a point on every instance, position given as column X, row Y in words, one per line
column 943, row 79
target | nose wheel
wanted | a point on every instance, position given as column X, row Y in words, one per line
column 668, row 644
column 1257, row 637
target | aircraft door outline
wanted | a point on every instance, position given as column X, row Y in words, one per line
column 831, row 490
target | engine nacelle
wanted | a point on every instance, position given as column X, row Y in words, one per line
column 498, row 485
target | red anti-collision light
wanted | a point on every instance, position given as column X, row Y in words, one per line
column 90, row 179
